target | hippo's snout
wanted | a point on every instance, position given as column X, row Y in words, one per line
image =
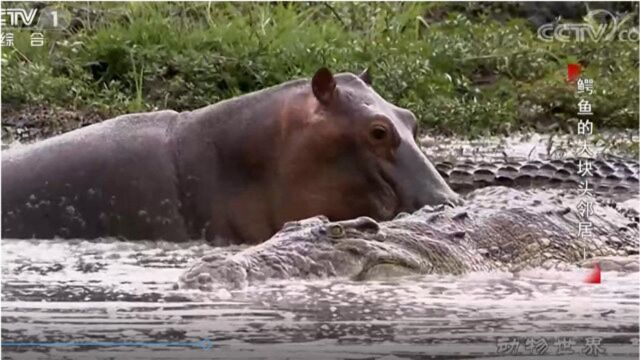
column 449, row 198
column 419, row 182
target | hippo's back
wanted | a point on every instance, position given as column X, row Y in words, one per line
column 112, row 178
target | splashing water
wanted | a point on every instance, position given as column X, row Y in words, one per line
column 120, row 297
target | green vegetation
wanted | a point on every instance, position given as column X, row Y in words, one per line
column 459, row 73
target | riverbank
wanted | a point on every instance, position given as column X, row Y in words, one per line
column 463, row 69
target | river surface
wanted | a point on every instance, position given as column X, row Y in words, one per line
column 111, row 299
column 117, row 300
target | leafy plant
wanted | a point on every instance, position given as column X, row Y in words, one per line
column 460, row 70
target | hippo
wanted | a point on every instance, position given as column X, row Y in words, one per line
column 232, row 173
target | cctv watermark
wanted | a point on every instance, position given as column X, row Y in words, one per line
column 608, row 30
column 41, row 19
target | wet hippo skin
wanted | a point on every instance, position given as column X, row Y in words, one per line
column 232, row 172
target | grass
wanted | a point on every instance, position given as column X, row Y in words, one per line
column 460, row 74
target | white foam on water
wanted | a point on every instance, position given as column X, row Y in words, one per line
column 123, row 291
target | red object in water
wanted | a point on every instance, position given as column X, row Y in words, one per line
column 594, row 277
column 573, row 73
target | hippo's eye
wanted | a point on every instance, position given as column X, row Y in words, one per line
column 336, row 231
column 379, row 132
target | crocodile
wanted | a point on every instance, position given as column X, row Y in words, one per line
column 497, row 228
column 608, row 175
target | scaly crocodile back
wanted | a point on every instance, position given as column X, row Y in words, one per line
column 607, row 176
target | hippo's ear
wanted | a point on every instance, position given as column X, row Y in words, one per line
column 323, row 85
column 365, row 76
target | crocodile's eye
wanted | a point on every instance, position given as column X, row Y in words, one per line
column 336, row 231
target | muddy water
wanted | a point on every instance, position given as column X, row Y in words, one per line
column 117, row 300
column 108, row 299
column 531, row 146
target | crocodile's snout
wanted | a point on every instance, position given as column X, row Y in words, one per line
column 212, row 270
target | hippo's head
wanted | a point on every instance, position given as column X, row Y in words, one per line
column 347, row 152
